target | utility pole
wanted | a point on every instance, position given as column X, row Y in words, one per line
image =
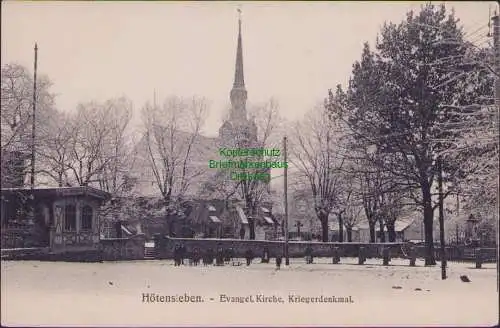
column 33, row 124
column 441, row 218
column 496, row 45
column 285, row 179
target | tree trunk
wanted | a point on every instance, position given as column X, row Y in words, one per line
column 349, row 234
column 251, row 227
column 428, row 224
column 341, row 228
column 60, row 180
column 371, row 225
column 171, row 227
column 323, row 218
column 382, row 232
column 391, row 231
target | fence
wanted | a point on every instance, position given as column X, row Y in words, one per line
column 165, row 247
column 463, row 253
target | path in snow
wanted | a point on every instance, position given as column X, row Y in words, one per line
column 49, row 293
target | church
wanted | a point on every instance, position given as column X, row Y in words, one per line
column 233, row 219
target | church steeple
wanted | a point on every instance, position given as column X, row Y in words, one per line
column 239, row 79
column 238, row 93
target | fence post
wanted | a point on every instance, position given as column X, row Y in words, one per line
column 335, row 256
column 479, row 258
column 361, row 256
column 386, row 254
column 413, row 255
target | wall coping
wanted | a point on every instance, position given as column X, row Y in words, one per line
column 283, row 242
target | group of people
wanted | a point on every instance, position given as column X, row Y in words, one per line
column 222, row 256
column 179, row 254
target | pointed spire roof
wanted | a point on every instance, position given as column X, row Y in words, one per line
column 239, row 80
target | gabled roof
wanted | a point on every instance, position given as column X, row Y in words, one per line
column 241, row 215
column 399, row 225
column 334, row 226
column 204, row 210
column 60, row 191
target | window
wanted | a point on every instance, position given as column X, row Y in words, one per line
column 87, row 217
column 70, row 218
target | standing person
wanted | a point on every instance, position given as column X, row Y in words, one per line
column 308, row 254
column 219, row 260
column 231, row 254
column 278, row 261
column 176, row 255
column 196, row 256
column 265, row 256
column 249, row 256
column 210, row 256
column 182, row 254
column 227, row 257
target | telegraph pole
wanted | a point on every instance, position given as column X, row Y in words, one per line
column 496, row 45
column 33, row 125
column 441, row 218
column 285, row 179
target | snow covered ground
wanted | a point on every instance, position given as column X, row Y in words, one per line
column 47, row 293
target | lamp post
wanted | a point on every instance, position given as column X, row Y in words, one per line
column 33, row 125
column 285, row 187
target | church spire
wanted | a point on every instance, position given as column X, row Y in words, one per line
column 239, row 80
column 238, row 93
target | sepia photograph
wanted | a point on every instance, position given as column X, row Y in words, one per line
column 250, row 163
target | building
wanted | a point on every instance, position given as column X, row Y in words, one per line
column 228, row 219
column 334, row 233
column 239, row 131
column 407, row 229
column 66, row 219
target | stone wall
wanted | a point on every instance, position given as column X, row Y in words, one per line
column 117, row 249
column 165, row 246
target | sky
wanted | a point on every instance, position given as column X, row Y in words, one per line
column 293, row 51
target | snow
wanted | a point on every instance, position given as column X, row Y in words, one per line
column 49, row 293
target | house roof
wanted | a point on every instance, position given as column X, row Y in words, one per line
column 334, row 226
column 241, row 215
column 60, row 191
column 399, row 225
column 268, row 220
column 214, row 219
column 203, row 210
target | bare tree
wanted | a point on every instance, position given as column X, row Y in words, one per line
column 54, row 152
column 172, row 141
column 262, row 130
column 352, row 216
column 16, row 122
column 317, row 155
column 254, row 191
column 90, row 148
